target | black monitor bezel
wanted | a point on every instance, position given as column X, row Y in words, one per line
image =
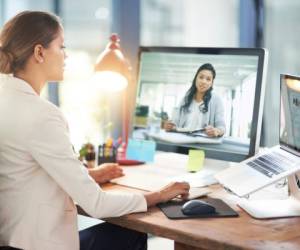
column 255, row 130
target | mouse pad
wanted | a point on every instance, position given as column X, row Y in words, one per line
column 172, row 209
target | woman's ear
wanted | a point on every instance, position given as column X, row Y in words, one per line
column 38, row 53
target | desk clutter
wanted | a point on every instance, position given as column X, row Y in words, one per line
column 135, row 152
column 107, row 153
column 173, row 209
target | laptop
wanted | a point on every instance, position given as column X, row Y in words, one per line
column 278, row 162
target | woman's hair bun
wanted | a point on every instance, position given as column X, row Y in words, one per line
column 6, row 61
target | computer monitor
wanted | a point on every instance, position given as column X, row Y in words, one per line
column 236, row 100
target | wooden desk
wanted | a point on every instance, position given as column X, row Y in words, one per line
column 242, row 232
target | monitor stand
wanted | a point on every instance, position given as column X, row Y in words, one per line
column 266, row 209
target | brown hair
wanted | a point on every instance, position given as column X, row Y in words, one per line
column 21, row 34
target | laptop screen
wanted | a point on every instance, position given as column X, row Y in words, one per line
column 290, row 112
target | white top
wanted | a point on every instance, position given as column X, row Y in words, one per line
column 195, row 116
column 40, row 176
column 213, row 117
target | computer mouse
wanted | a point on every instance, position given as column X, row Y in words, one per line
column 197, row 207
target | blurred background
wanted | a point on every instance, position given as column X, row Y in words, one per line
column 273, row 24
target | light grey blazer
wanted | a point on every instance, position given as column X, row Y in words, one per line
column 40, row 176
column 214, row 116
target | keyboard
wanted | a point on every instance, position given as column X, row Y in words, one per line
column 271, row 164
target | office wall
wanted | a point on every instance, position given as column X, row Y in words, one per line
column 282, row 39
column 190, row 23
column 87, row 23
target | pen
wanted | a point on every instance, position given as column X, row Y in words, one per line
column 198, row 130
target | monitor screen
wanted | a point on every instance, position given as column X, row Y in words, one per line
column 201, row 98
column 290, row 113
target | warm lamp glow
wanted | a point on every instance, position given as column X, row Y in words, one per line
column 109, row 81
column 112, row 69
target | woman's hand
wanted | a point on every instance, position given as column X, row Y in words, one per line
column 106, row 172
column 213, row 132
column 174, row 189
column 168, row 125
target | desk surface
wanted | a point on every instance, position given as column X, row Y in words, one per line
column 242, row 232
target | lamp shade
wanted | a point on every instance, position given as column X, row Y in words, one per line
column 112, row 70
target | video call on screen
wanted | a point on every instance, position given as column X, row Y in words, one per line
column 164, row 79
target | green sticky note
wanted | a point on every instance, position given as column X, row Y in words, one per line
column 196, row 160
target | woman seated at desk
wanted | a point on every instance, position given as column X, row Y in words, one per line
column 40, row 175
column 200, row 108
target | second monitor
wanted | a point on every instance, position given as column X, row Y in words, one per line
column 217, row 92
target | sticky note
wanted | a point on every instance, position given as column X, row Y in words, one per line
column 196, row 160
column 140, row 150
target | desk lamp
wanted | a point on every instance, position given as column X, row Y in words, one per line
column 113, row 73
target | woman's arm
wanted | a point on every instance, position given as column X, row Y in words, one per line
column 105, row 172
column 172, row 124
column 176, row 119
column 108, row 171
column 217, row 118
column 51, row 148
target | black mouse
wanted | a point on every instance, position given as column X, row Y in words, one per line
column 197, row 207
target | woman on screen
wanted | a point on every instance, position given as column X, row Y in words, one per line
column 40, row 175
column 200, row 109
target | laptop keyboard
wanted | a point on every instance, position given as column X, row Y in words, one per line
column 271, row 164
